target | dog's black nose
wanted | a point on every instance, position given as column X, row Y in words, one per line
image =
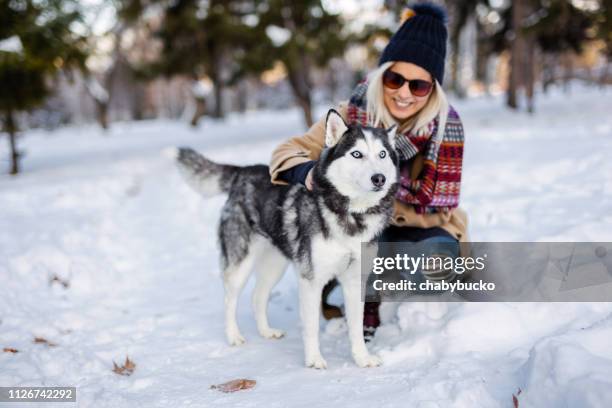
column 378, row 180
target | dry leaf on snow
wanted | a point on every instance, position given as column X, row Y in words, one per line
column 56, row 279
column 42, row 340
column 126, row 369
column 10, row 350
column 515, row 400
column 234, row 385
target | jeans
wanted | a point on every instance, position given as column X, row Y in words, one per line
column 415, row 242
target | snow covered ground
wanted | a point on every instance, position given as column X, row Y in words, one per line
column 109, row 216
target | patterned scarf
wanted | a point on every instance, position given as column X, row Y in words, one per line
column 438, row 186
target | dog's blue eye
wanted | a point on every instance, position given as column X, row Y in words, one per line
column 356, row 154
column 382, row 154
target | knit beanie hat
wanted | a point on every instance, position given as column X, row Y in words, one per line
column 420, row 40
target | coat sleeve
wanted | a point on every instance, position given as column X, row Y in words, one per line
column 300, row 149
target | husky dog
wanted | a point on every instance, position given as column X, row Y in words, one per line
column 321, row 231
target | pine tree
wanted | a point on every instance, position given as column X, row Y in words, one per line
column 460, row 12
column 203, row 39
column 302, row 35
column 228, row 40
column 532, row 28
column 37, row 42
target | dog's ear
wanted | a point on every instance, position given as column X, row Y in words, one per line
column 335, row 127
column 392, row 134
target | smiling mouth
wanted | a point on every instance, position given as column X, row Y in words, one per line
column 403, row 104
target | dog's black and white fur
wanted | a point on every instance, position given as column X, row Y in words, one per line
column 321, row 231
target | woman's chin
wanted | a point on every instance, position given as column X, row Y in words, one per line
column 402, row 114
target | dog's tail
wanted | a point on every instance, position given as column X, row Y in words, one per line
column 204, row 176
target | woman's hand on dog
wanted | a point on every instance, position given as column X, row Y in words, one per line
column 308, row 181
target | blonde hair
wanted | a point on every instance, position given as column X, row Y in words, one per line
column 378, row 114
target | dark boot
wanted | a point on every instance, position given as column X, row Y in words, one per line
column 329, row 311
column 371, row 319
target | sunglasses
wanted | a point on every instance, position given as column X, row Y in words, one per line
column 418, row 87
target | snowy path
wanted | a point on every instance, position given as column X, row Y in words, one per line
column 110, row 216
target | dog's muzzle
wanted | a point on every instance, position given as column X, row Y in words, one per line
column 378, row 180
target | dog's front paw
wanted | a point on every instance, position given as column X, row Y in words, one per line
column 367, row 360
column 271, row 333
column 316, row 361
column 235, row 339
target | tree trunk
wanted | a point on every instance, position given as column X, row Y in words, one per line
column 530, row 74
column 199, row 111
column 512, row 86
column 306, row 106
column 242, row 94
column 461, row 14
column 482, row 57
column 299, row 82
column 14, row 154
column 218, row 100
column 102, row 90
column 304, row 102
column 548, row 67
column 102, row 113
column 568, row 72
column 12, row 133
column 482, row 61
column 603, row 79
column 215, row 68
column 457, row 86
column 516, row 54
column 333, row 83
column 455, row 69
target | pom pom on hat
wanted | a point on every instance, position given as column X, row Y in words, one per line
column 420, row 39
column 406, row 14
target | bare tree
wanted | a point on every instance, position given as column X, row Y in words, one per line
column 516, row 53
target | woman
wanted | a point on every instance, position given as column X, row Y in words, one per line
column 406, row 89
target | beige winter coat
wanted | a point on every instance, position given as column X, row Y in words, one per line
column 308, row 147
